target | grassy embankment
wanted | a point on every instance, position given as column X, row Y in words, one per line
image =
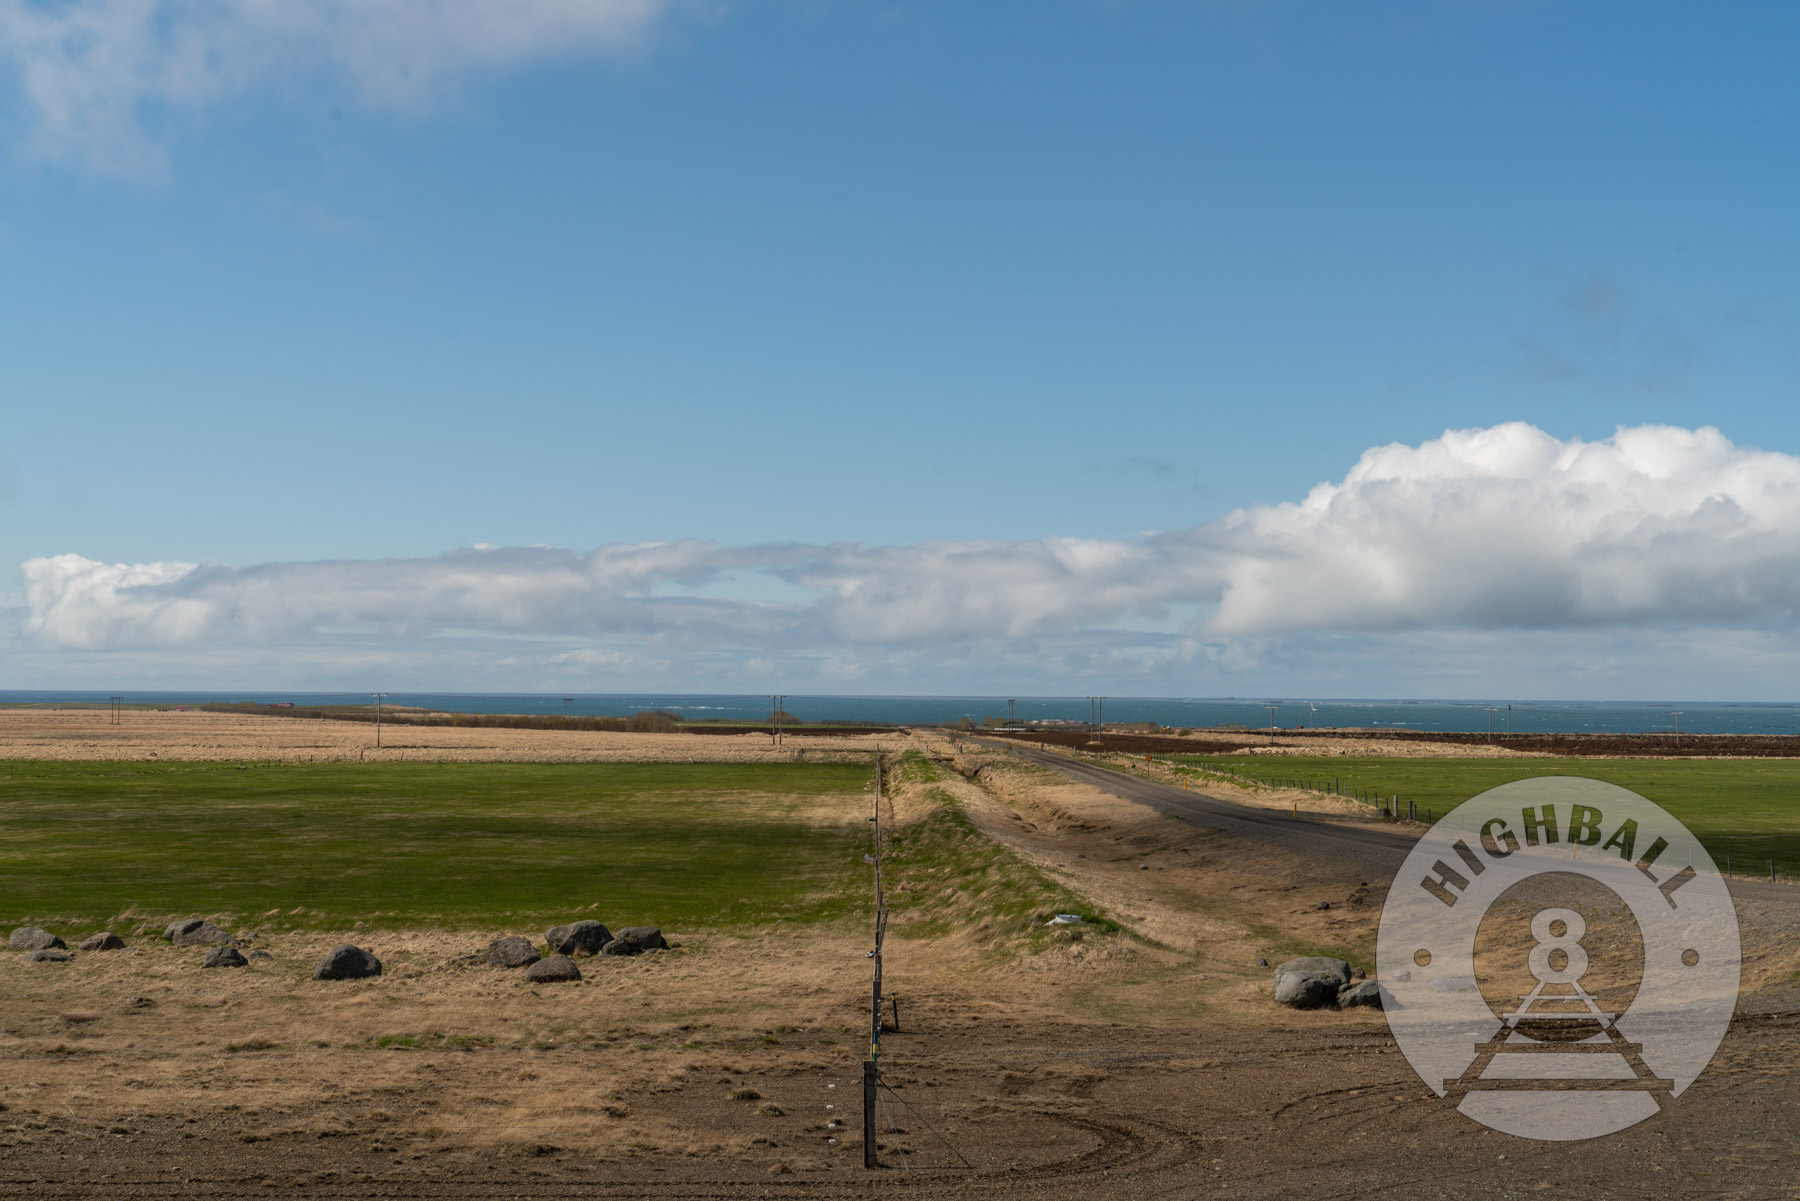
column 958, row 880
column 460, row 845
column 1748, row 809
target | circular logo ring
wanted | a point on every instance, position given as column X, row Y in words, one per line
column 1553, row 1058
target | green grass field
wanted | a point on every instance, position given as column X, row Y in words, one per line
column 1748, row 809
column 458, row 844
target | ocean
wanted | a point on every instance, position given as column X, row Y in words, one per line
column 1613, row 717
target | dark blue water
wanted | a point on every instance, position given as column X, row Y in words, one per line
column 1525, row 716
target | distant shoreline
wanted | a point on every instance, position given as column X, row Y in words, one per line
column 1373, row 717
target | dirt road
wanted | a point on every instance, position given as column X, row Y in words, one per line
column 1379, row 850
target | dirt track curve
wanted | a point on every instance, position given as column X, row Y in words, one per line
column 1380, row 851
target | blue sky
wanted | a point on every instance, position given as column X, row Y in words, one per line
column 382, row 282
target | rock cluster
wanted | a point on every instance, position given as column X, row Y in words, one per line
column 1321, row 982
column 564, row 943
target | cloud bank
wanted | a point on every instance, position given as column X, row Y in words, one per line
column 1481, row 538
column 96, row 76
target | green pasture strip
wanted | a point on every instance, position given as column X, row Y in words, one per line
column 1748, row 809
column 958, row 880
column 433, row 844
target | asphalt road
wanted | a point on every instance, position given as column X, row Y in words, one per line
column 1379, row 850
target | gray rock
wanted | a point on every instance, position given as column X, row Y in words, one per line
column 1262, row 963
column 224, row 957
column 512, row 951
column 1317, row 963
column 555, row 968
column 1324, row 905
column 32, row 938
column 1307, row 990
column 106, row 940
column 347, row 963
column 585, row 937
column 49, row 955
column 621, row 946
column 1357, row 973
column 1366, row 994
column 257, row 955
column 647, row 938
column 197, row 932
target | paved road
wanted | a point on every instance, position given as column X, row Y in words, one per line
column 1379, row 850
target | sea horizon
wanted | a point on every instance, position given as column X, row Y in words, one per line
column 1456, row 715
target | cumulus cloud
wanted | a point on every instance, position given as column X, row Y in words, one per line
column 1510, row 527
column 96, row 75
column 1479, row 531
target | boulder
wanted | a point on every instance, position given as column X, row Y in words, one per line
column 1307, row 990
column 512, row 951
column 32, row 938
column 1367, row 993
column 49, row 955
column 644, row 938
column 224, row 957
column 347, row 963
column 556, row 968
column 578, row 938
column 1316, row 963
column 259, row 955
column 197, row 932
column 106, row 940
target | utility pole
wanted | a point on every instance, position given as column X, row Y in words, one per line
column 378, row 696
column 1491, row 710
column 1509, row 719
column 1677, row 715
column 1271, row 709
column 872, row 1066
column 1009, row 710
column 116, row 702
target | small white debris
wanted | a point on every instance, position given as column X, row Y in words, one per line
column 1067, row 919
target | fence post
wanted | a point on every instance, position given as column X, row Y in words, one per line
column 869, row 1160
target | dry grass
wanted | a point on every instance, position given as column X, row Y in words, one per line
column 150, row 734
column 436, row 1053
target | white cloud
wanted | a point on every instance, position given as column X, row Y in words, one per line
column 97, row 75
column 1510, row 527
column 1462, row 541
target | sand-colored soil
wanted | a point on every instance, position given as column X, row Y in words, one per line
column 171, row 734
